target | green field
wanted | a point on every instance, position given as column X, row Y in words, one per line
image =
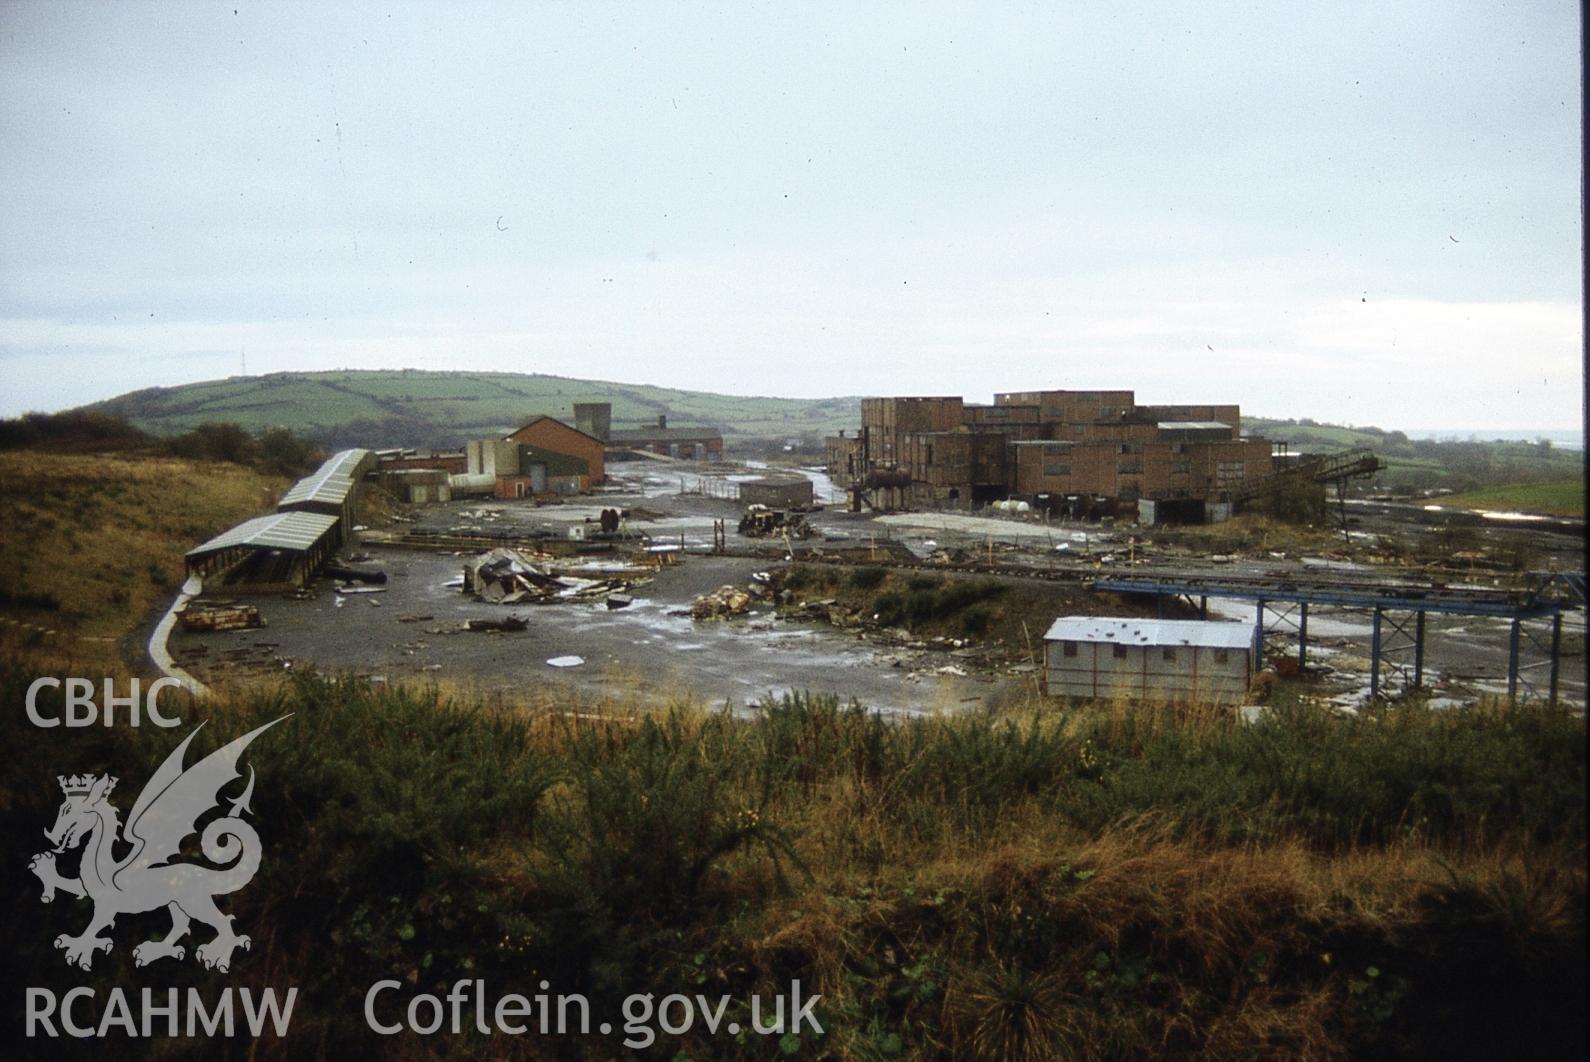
column 1559, row 497
column 445, row 408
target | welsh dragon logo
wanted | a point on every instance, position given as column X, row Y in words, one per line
column 146, row 876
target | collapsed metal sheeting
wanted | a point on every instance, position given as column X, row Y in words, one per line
column 509, row 577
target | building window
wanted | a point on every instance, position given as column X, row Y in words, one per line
column 1130, row 468
column 1222, row 656
column 1056, row 468
column 930, row 453
column 1068, row 648
column 1168, row 655
column 1120, row 651
column 1180, row 467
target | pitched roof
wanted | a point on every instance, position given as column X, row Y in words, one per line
column 567, row 427
column 295, row 532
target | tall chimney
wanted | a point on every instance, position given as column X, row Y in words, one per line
column 662, row 420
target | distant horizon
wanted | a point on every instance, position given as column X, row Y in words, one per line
column 1561, row 435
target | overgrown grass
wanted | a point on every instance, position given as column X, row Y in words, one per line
column 1559, row 497
column 1093, row 881
column 90, row 543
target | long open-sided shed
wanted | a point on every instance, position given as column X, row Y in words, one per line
column 331, row 489
column 281, row 548
column 1148, row 659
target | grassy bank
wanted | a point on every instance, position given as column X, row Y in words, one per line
column 91, row 542
column 1559, row 497
column 1088, row 882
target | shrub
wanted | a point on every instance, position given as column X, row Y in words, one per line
column 868, row 577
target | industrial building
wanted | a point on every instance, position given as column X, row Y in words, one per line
column 689, row 444
column 1077, row 453
column 509, row 469
column 1151, row 660
column 549, row 435
column 287, row 548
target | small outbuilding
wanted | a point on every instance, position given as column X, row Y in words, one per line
column 777, row 493
column 1148, row 659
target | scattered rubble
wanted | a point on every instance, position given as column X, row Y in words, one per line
column 725, row 601
column 220, row 617
column 507, row 623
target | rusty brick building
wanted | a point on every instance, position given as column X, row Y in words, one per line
column 1076, row 452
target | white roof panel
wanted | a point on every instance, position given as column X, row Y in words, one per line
column 1117, row 630
column 1192, row 425
column 293, row 531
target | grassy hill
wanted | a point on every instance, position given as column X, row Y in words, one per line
column 414, row 407
column 1425, row 464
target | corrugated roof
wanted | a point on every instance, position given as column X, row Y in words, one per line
column 293, row 531
column 1114, row 630
column 1192, row 425
column 331, row 483
column 345, row 462
column 320, row 487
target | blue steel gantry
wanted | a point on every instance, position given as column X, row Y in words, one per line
column 1398, row 610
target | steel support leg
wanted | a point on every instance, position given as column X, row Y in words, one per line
column 1302, row 636
column 1512, row 660
column 1374, row 657
column 1203, row 607
column 1418, row 649
column 1258, row 637
column 1556, row 653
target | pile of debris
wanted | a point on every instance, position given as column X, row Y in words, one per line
column 722, row 602
column 509, row 577
column 220, row 616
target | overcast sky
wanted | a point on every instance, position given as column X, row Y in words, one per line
column 1362, row 213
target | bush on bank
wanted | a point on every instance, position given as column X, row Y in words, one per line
column 1092, row 880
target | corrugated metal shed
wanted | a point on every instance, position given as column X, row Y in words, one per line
column 293, row 531
column 1210, row 634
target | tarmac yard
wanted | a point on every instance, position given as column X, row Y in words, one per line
column 647, row 647
column 414, row 626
